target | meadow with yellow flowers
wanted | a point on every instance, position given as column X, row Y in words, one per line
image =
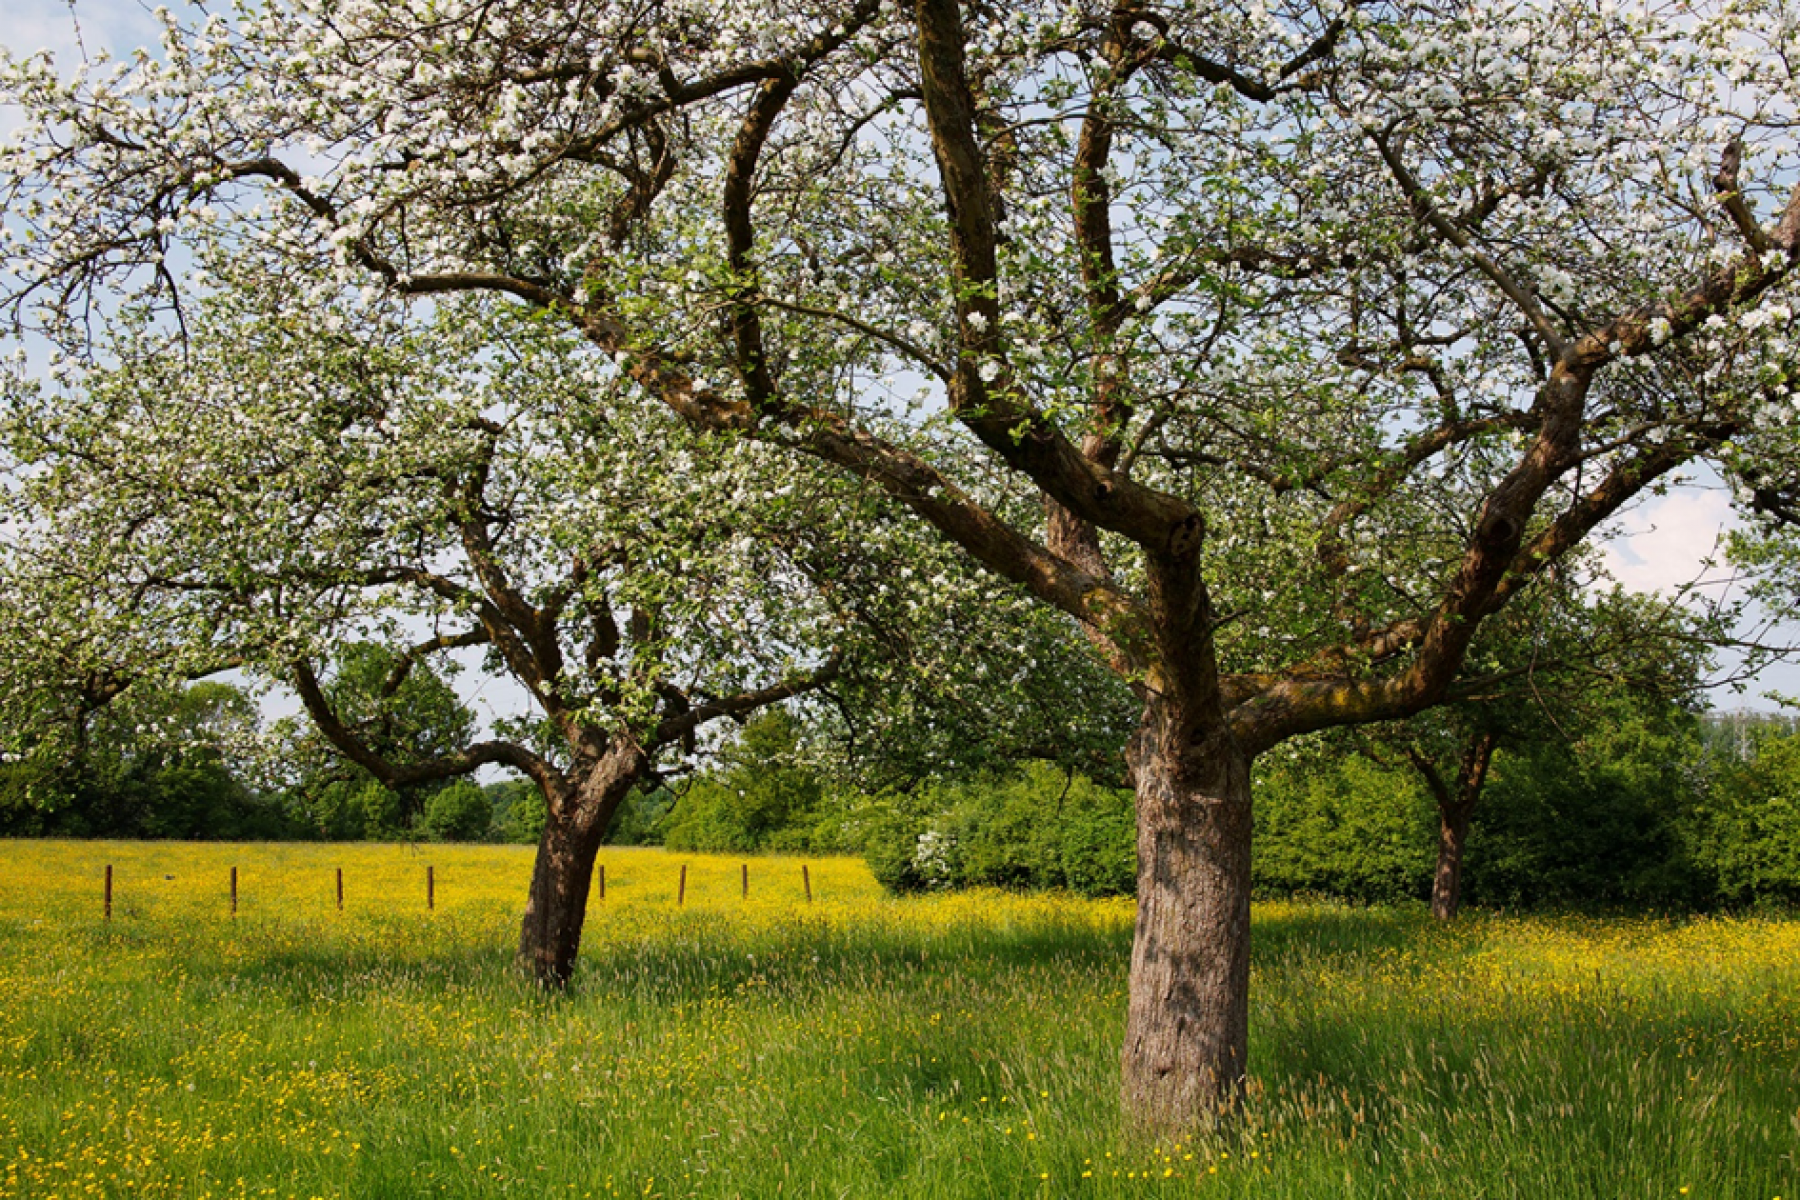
column 851, row 1045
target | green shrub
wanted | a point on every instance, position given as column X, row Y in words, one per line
column 1346, row 828
column 640, row 817
column 460, row 812
column 1748, row 834
column 760, row 796
column 891, row 845
column 998, row 833
column 1032, row 827
column 1099, row 840
column 1614, row 819
column 518, row 808
column 380, row 811
column 1607, row 822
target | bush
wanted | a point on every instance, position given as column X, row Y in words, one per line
column 996, row 833
column 892, row 850
column 640, row 817
column 381, row 811
column 1344, row 827
column 1749, row 830
column 1608, row 822
column 460, row 812
column 712, row 815
column 518, row 808
column 1033, row 827
column 761, row 797
column 1612, row 820
column 1099, row 840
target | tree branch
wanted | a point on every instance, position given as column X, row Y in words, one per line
column 463, row 762
column 403, row 666
column 682, row 724
column 1422, row 205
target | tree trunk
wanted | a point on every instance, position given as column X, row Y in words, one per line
column 1453, row 835
column 1454, row 812
column 574, row 826
column 1187, row 1032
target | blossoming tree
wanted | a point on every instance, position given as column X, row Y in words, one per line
column 1322, row 329
column 275, row 495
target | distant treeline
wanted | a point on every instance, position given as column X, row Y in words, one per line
column 1656, row 808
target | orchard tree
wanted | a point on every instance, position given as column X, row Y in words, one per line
column 354, row 499
column 1321, row 329
column 341, row 507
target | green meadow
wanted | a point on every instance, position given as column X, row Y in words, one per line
column 853, row 1045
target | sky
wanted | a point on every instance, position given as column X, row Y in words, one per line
column 31, row 25
column 1657, row 546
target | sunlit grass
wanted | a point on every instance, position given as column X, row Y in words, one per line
column 951, row 1046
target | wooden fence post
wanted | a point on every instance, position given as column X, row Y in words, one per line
column 430, row 888
column 746, row 881
column 603, row 881
column 234, row 891
column 681, row 891
column 340, row 889
column 806, row 878
column 109, row 891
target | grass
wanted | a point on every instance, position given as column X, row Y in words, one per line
column 854, row 1046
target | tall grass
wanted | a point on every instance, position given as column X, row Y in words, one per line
column 856, row 1046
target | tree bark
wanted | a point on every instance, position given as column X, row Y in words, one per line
column 1187, row 1033
column 574, row 827
column 1446, row 883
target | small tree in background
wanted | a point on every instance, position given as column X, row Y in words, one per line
column 169, row 762
column 460, row 812
column 344, row 515
column 759, row 795
column 1559, row 664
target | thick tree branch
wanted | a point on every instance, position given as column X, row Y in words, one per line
column 746, row 323
column 1731, row 198
column 463, row 762
column 682, row 724
column 1498, row 562
column 983, row 393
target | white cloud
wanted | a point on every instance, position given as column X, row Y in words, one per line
column 1662, row 544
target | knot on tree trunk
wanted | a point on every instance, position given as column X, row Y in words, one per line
column 1497, row 529
column 1186, row 536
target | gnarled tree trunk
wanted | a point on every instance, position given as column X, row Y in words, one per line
column 574, row 827
column 1187, row 1031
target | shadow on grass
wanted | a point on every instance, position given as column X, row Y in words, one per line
column 700, row 960
column 1336, row 931
column 693, row 956
column 687, row 959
